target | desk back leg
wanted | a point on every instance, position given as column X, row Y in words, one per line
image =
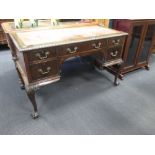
column 21, row 82
column 116, row 83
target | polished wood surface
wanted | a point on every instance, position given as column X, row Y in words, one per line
column 37, row 67
column 139, row 45
column 27, row 40
column 3, row 39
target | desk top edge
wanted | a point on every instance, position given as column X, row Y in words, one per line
column 21, row 48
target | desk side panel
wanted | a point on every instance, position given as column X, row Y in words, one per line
column 18, row 58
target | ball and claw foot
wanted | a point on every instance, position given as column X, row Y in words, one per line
column 147, row 67
column 121, row 77
column 22, row 87
column 35, row 115
column 116, row 83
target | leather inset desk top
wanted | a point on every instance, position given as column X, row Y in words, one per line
column 54, row 37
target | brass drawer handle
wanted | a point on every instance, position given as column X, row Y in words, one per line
column 114, row 54
column 97, row 46
column 14, row 58
column 116, row 43
column 118, row 40
column 42, row 57
column 72, row 51
column 44, row 72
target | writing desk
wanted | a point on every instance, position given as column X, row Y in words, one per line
column 38, row 54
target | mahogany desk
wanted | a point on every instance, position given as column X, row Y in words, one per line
column 38, row 54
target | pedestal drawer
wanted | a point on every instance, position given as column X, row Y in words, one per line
column 44, row 70
column 116, row 41
column 42, row 54
column 2, row 37
column 113, row 53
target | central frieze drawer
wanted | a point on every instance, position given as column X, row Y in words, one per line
column 77, row 48
column 44, row 70
column 42, row 54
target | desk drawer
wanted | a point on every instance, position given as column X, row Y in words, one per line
column 113, row 53
column 1, row 29
column 99, row 44
column 44, row 70
column 153, row 45
column 75, row 49
column 2, row 36
column 42, row 54
column 116, row 41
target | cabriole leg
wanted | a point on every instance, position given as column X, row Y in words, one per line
column 116, row 83
column 147, row 67
column 31, row 96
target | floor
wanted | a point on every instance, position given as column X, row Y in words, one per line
column 83, row 102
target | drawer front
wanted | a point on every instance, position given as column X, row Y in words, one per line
column 116, row 41
column 42, row 54
column 75, row 49
column 2, row 37
column 1, row 27
column 99, row 44
column 44, row 70
column 153, row 47
column 153, row 44
column 113, row 53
